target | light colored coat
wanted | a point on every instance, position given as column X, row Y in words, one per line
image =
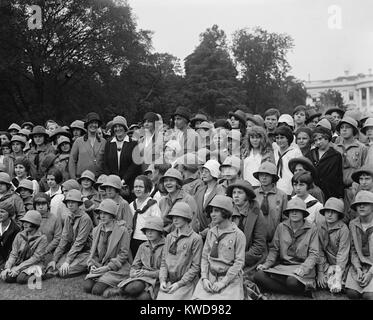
column 84, row 157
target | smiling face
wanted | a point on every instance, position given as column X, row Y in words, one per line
column 86, row 183
column 20, row 171
column 93, row 127
column 65, row 147
column 170, row 184
column 119, row 131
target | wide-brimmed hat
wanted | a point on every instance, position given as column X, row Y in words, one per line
column 335, row 205
column 151, row 116
column 71, row 184
column 362, row 196
column 73, row 195
column 182, row 112
column 205, row 125
column 198, row 117
column 222, row 123
column 78, row 124
column 24, row 132
column 32, row 216
column 222, row 202
column 39, row 130
column 172, row 173
column 153, row 223
column 367, row 124
column 92, row 116
column 352, row 122
column 311, row 114
column 87, row 174
column 100, row 180
column 324, row 123
column 232, row 161
column 181, row 209
column 25, row 184
column 108, row 206
column 239, row 115
column 367, row 169
column 335, row 109
column 269, row 168
column 20, row 139
column 305, row 162
column 244, row 185
column 14, row 126
column 213, row 166
column 27, row 123
column 62, row 140
column 296, row 204
column 5, row 178
column 120, row 121
column 113, row 181
column 60, row 131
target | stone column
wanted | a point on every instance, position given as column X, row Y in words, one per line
column 368, row 97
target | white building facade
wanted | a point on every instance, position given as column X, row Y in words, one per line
column 355, row 90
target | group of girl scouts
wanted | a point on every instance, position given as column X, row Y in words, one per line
column 285, row 202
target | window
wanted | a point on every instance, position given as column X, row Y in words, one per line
column 351, row 95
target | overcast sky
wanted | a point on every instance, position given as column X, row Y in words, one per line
column 319, row 50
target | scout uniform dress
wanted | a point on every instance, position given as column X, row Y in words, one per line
column 75, row 243
column 361, row 255
column 334, row 247
column 147, row 258
column 27, row 253
column 223, row 258
column 111, row 249
column 181, row 261
column 290, row 251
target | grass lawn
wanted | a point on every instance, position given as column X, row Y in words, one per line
column 72, row 289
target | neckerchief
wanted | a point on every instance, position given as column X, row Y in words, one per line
column 141, row 211
column 214, row 250
column 365, row 241
column 279, row 163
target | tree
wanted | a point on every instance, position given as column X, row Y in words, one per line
column 63, row 69
column 210, row 75
column 261, row 59
column 331, row 98
column 291, row 94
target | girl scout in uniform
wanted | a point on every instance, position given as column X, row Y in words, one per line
column 223, row 255
column 143, row 283
column 334, row 238
column 108, row 261
column 290, row 264
column 181, row 258
column 26, row 257
column 359, row 282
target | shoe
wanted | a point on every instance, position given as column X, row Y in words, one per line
column 112, row 292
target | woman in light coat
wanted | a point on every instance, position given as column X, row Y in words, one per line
column 181, row 258
column 223, row 255
column 108, row 260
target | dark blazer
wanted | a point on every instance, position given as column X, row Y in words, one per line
column 329, row 172
column 128, row 169
column 6, row 241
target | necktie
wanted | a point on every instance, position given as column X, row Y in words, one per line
column 215, row 247
column 265, row 206
column 173, row 246
column 105, row 242
column 365, row 241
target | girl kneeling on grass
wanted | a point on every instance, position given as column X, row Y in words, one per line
column 359, row 282
column 294, row 252
column 223, row 255
column 144, row 281
column 181, row 258
column 334, row 238
column 28, row 250
column 108, row 261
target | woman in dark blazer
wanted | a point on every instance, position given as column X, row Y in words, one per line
column 121, row 147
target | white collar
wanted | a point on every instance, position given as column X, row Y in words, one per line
column 126, row 139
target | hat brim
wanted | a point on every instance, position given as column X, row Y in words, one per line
column 354, row 204
column 338, row 110
column 181, row 115
column 164, row 177
column 17, row 190
column 275, row 176
column 5, row 182
column 147, row 228
column 356, row 175
column 287, row 211
column 338, row 127
column 80, row 201
column 340, row 214
column 88, row 122
column 46, row 135
column 105, row 185
column 175, row 214
column 250, row 193
column 293, row 162
column 81, row 178
column 317, row 115
column 232, row 114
